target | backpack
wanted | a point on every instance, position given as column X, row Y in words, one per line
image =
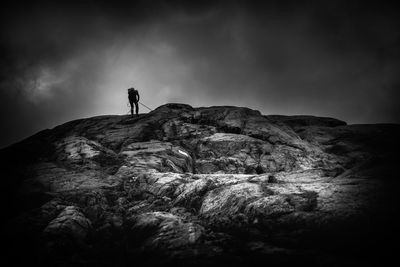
column 132, row 92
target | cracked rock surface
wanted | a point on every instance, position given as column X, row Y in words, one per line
column 202, row 186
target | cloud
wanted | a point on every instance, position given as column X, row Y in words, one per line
column 62, row 61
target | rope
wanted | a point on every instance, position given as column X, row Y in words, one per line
column 129, row 111
column 145, row 106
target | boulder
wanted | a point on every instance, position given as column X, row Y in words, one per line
column 208, row 185
column 70, row 226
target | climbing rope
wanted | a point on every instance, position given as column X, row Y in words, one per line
column 145, row 106
column 129, row 106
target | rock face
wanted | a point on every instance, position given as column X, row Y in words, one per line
column 69, row 229
column 201, row 186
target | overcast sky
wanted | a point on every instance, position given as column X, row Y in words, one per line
column 61, row 62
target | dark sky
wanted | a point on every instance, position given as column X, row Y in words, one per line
column 327, row 58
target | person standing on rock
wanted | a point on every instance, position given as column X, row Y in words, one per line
column 134, row 97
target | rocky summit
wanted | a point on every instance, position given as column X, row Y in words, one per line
column 217, row 186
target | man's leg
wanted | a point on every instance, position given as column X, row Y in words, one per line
column 131, row 103
column 137, row 108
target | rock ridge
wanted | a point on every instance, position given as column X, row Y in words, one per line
column 209, row 185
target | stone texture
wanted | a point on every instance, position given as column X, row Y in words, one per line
column 69, row 224
column 162, row 230
column 202, row 185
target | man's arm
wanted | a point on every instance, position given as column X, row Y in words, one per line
column 138, row 97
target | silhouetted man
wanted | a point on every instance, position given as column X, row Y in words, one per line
column 134, row 97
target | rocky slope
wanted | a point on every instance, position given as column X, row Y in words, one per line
column 201, row 186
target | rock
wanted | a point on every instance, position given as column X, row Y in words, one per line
column 53, row 177
column 79, row 152
column 225, row 205
column 157, row 184
column 162, row 230
column 269, row 207
column 272, row 179
column 158, row 156
column 297, row 122
column 235, row 153
column 209, row 185
column 70, row 224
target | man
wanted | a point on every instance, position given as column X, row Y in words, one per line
column 134, row 97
